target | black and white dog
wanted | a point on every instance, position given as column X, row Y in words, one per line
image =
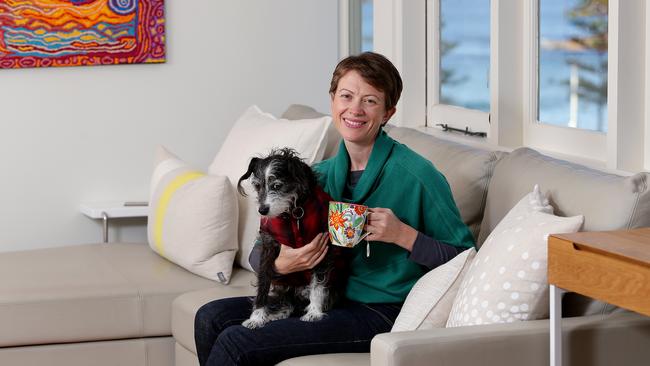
column 294, row 210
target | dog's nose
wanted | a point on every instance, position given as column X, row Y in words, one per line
column 263, row 210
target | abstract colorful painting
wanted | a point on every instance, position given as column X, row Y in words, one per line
column 45, row 33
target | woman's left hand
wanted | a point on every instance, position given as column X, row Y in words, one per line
column 383, row 225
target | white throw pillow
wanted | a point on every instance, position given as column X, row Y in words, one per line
column 508, row 279
column 192, row 218
column 255, row 134
column 430, row 300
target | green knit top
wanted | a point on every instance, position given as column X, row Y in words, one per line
column 397, row 178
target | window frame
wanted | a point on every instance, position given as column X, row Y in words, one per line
column 438, row 113
column 344, row 28
column 586, row 144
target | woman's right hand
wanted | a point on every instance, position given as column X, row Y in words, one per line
column 299, row 259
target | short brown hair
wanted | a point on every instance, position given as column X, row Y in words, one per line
column 376, row 70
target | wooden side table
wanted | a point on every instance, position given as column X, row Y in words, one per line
column 611, row 266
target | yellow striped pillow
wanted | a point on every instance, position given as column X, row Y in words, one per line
column 192, row 218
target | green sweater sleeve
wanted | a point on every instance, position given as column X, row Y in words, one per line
column 442, row 219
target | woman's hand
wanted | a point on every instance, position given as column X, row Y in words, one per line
column 384, row 226
column 299, row 259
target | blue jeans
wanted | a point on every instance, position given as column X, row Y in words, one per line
column 222, row 340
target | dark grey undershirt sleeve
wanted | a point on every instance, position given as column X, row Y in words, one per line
column 431, row 253
column 254, row 257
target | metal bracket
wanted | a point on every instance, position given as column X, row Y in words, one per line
column 466, row 131
column 105, row 223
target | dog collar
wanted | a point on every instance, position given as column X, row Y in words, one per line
column 297, row 213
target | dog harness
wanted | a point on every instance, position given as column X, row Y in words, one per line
column 299, row 228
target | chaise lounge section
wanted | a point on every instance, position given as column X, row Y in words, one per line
column 100, row 304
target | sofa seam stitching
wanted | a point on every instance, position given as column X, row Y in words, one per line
column 141, row 308
column 146, row 352
column 497, row 159
column 139, row 296
column 492, row 167
column 636, row 202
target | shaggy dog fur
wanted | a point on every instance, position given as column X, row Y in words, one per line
column 294, row 210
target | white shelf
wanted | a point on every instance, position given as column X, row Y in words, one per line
column 95, row 210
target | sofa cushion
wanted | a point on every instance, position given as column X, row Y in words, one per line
column 299, row 111
column 607, row 201
column 507, row 281
column 192, row 218
column 429, row 302
column 347, row 359
column 158, row 351
column 468, row 170
column 91, row 292
column 184, row 309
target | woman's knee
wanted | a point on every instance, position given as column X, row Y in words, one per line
column 204, row 317
column 220, row 314
column 232, row 346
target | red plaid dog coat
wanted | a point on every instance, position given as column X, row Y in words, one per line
column 295, row 232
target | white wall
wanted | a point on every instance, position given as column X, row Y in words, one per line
column 83, row 134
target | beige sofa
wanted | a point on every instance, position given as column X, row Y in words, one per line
column 121, row 304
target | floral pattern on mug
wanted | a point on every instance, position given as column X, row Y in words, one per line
column 346, row 223
column 336, row 219
column 359, row 209
column 349, row 232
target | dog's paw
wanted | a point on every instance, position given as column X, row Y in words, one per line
column 258, row 318
column 312, row 316
column 253, row 323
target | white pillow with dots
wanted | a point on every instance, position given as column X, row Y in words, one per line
column 507, row 281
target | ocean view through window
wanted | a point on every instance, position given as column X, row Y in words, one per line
column 572, row 56
column 572, row 80
column 465, row 53
column 366, row 25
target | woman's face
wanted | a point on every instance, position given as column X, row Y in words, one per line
column 358, row 109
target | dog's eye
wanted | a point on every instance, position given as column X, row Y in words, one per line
column 276, row 186
column 256, row 185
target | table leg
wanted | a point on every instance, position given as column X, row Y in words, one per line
column 105, row 227
column 556, row 295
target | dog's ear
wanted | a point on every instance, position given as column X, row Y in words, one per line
column 251, row 168
column 303, row 175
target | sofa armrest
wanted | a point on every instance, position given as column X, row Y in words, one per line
column 620, row 338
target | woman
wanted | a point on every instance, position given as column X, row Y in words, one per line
column 413, row 222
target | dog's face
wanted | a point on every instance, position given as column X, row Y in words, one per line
column 279, row 180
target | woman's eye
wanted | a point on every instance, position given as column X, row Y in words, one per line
column 370, row 101
column 345, row 96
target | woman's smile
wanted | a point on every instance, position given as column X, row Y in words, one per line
column 353, row 122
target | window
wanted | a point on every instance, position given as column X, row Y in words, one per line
column 572, row 63
column 563, row 113
column 464, row 47
column 361, row 26
column 366, row 25
column 459, row 63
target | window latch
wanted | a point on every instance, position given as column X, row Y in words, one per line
column 466, row 131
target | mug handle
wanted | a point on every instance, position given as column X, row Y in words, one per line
column 362, row 237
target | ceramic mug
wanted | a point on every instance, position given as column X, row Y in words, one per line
column 346, row 222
